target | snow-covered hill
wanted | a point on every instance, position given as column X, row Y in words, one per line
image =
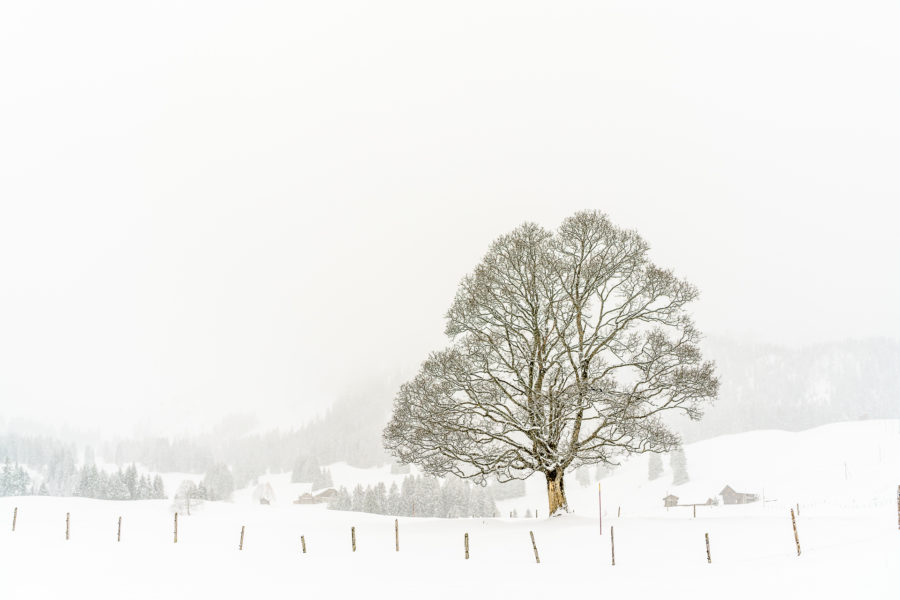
column 839, row 466
column 835, row 467
column 766, row 386
column 848, row 532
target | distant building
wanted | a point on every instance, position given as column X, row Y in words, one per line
column 729, row 496
column 670, row 500
column 324, row 496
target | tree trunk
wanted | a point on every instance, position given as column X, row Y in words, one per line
column 556, row 492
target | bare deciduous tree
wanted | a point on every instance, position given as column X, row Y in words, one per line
column 566, row 350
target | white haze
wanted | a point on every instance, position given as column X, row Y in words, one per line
column 213, row 207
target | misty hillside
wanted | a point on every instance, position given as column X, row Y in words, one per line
column 762, row 387
column 772, row 387
column 243, row 549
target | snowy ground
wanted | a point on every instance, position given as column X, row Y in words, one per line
column 848, row 532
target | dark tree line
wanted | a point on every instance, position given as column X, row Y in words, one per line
column 58, row 474
column 251, row 455
column 14, row 480
column 307, row 470
column 55, row 461
column 124, row 484
column 419, row 496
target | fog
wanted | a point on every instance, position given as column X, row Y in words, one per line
column 224, row 207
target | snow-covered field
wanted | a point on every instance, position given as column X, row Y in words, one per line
column 848, row 528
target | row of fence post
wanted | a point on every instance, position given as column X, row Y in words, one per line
column 465, row 537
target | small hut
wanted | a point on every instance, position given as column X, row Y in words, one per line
column 670, row 500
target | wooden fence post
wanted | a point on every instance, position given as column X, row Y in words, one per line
column 695, row 511
column 708, row 555
column 16, row 510
column 619, row 514
column 466, row 540
column 396, row 535
column 537, row 558
column 353, row 538
column 612, row 543
column 119, row 532
column 798, row 509
column 241, row 544
column 176, row 529
column 796, row 536
column 67, row 526
column 303, row 543
column 600, row 507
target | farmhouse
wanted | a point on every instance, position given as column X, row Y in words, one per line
column 729, row 496
column 326, row 495
column 323, row 496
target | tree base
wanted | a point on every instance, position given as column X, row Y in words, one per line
column 556, row 494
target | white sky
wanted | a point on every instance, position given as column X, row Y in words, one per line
column 209, row 207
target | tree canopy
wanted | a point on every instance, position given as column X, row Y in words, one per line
column 566, row 349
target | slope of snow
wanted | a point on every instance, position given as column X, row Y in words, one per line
column 848, row 532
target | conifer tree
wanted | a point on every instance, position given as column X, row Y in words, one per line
column 343, row 500
column 393, row 500
column 130, row 479
column 654, row 467
column 219, row 482
column 159, row 490
column 117, row 488
column 306, row 470
column 358, row 499
column 322, row 479
column 678, row 463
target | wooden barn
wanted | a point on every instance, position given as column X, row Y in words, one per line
column 729, row 496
